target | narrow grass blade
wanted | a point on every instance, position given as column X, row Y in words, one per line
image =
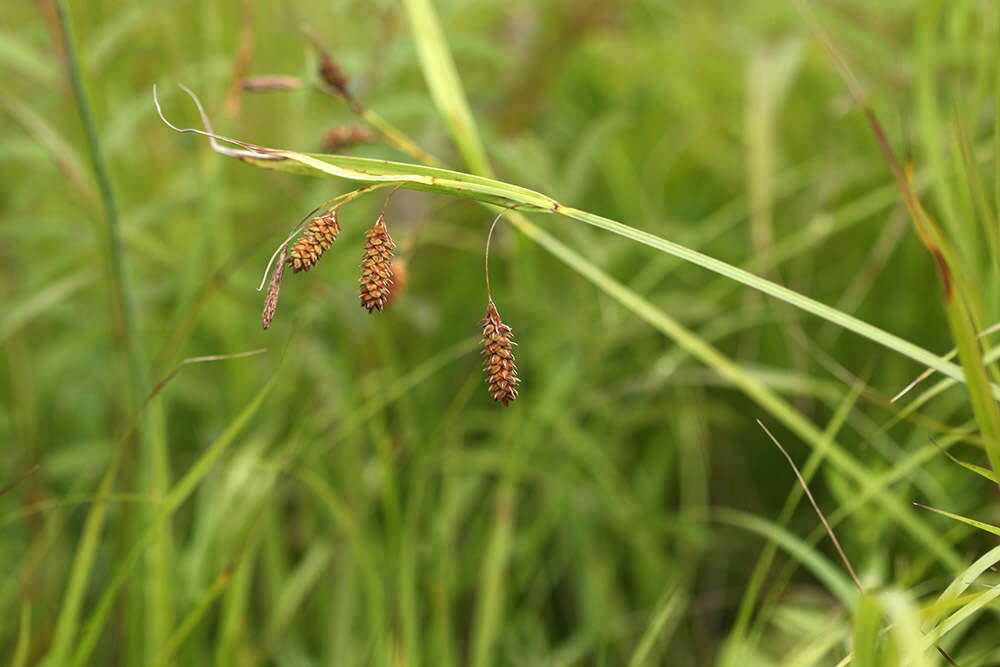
column 979, row 470
column 362, row 552
column 442, row 78
column 962, row 295
column 123, row 318
column 666, row 616
column 173, row 500
column 867, row 629
column 749, row 604
column 745, row 382
column 23, row 646
column 821, row 567
column 989, row 528
column 904, row 619
column 190, row 622
column 491, row 583
column 962, row 582
column 978, row 603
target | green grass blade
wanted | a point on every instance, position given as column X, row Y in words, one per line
column 672, row 603
column 123, row 317
column 770, row 288
column 973, row 607
column 904, row 619
column 749, row 603
column 446, row 88
column 173, row 500
column 962, row 582
column 989, row 528
column 363, row 555
column 744, row 381
column 979, row 470
column 23, row 646
column 867, row 628
column 824, row 570
column 492, row 583
column 190, row 622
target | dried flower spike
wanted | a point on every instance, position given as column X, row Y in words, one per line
column 498, row 350
column 376, row 270
column 322, row 232
column 273, row 288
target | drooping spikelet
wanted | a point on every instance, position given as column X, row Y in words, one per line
column 273, row 288
column 376, row 270
column 322, row 232
column 498, row 353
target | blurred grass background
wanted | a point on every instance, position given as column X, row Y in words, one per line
column 375, row 507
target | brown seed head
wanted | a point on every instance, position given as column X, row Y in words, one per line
column 330, row 70
column 273, row 288
column 498, row 353
column 322, row 232
column 344, row 136
column 376, row 270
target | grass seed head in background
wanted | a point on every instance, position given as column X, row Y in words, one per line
column 344, row 136
column 270, row 82
column 498, row 350
column 320, row 235
column 329, row 69
column 273, row 288
column 376, row 269
column 331, row 72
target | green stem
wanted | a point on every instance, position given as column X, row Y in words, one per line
column 122, row 314
column 122, row 324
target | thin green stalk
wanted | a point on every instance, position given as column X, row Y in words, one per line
column 23, row 637
column 191, row 621
column 996, row 122
column 171, row 502
column 748, row 604
column 446, row 88
column 123, row 318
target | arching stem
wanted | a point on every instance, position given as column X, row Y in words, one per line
column 489, row 237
